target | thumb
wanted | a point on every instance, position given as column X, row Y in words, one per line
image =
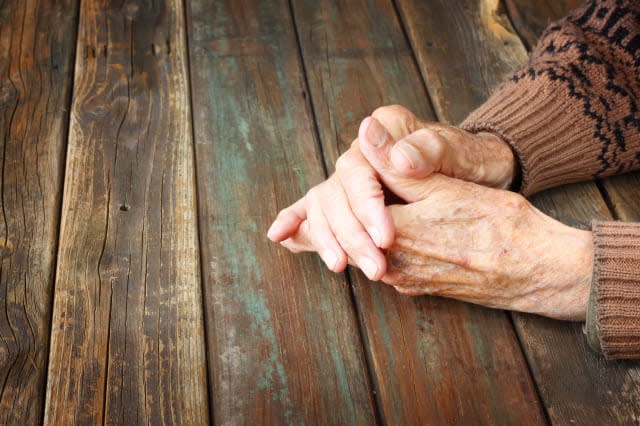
column 402, row 166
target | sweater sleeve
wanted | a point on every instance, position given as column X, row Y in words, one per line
column 613, row 313
column 572, row 112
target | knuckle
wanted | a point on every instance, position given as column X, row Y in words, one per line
column 519, row 203
column 396, row 117
column 392, row 109
column 427, row 134
column 313, row 193
column 344, row 162
column 285, row 213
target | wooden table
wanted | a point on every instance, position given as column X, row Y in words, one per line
column 146, row 147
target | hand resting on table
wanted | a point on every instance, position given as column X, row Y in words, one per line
column 455, row 238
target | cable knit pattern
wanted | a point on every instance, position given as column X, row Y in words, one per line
column 572, row 113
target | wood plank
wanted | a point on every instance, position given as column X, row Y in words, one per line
column 463, row 48
column 624, row 194
column 602, row 393
column 574, row 383
column 284, row 346
column 128, row 331
column 37, row 41
column 530, row 18
column 435, row 361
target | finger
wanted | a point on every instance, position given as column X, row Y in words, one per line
column 323, row 239
column 352, row 237
column 300, row 241
column 365, row 196
column 288, row 221
column 398, row 120
column 375, row 143
column 419, row 154
column 358, row 245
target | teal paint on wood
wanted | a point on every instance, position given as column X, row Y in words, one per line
column 282, row 334
column 357, row 59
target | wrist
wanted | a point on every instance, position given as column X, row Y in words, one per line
column 501, row 167
column 570, row 269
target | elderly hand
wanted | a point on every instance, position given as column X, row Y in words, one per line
column 489, row 247
column 485, row 246
column 345, row 216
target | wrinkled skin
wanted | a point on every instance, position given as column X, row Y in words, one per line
column 455, row 239
column 489, row 247
column 346, row 213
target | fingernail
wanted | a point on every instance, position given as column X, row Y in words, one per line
column 411, row 154
column 330, row 258
column 376, row 236
column 369, row 267
column 376, row 133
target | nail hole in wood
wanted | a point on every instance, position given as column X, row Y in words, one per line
column 124, row 208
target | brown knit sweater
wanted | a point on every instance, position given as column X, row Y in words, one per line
column 571, row 114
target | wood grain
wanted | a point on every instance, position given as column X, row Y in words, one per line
column 284, row 346
column 463, row 48
column 434, row 361
column 531, row 17
column 577, row 385
column 128, row 335
column 37, row 41
column 624, row 195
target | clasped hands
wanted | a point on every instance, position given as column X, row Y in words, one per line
column 460, row 235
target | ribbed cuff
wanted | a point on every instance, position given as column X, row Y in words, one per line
column 544, row 125
column 613, row 315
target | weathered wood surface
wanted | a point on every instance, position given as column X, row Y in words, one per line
column 282, row 332
column 128, row 335
column 624, row 195
column 531, row 17
column 37, row 41
column 577, row 385
column 463, row 48
column 435, row 361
